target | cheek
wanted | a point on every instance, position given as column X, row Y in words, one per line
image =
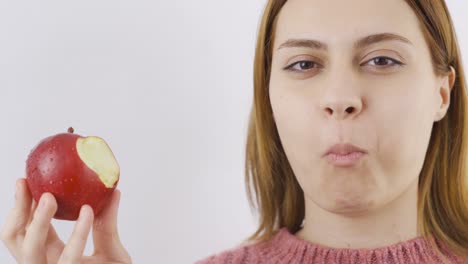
column 296, row 124
column 404, row 122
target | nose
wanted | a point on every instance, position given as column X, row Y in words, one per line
column 342, row 100
column 343, row 108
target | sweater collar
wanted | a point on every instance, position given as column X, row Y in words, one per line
column 290, row 239
column 285, row 244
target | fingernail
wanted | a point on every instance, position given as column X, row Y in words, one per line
column 82, row 213
column 42, row 203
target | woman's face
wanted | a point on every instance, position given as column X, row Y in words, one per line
column 381, row 96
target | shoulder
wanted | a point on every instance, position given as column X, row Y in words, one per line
column 243, row 253
column 257, row 251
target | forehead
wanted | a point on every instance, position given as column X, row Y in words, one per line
column 341, row 22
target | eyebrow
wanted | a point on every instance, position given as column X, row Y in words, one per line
column 359, row 44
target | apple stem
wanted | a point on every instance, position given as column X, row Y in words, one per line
column 71, row 130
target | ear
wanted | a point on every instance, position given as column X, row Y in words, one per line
column 444, row 92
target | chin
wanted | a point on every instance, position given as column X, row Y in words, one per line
column 352, row 204
column 351, row 191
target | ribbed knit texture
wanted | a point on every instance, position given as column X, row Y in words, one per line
column 284, row 247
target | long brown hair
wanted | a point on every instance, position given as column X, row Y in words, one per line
column 271, row 185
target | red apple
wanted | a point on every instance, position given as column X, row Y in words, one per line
column 76, row 170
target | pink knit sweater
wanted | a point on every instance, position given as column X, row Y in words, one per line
column 284, row 247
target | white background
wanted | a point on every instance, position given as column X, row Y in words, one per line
column 168, row 84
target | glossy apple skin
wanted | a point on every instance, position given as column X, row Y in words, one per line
column 54, row 166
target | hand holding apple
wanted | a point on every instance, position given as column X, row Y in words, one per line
column 31, row 238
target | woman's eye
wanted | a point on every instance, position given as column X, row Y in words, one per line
column 379, row 62
column 384, row 62
column 301, row 66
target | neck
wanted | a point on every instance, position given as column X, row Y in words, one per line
column 390, row 224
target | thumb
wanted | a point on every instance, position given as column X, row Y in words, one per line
column 105, row 233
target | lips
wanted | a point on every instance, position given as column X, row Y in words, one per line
column 344, row 149
column 344, row 155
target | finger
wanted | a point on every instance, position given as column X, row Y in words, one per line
column 75, row 247
column 105, row 232
column 33, row 250
column 52, row 236
column 54, row 245
column 17, row 218
column 31, row 214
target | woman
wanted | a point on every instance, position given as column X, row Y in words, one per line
column 357, row 145
column 356, row 150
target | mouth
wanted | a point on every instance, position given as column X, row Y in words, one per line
column 345, row 155
column 345, row 160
